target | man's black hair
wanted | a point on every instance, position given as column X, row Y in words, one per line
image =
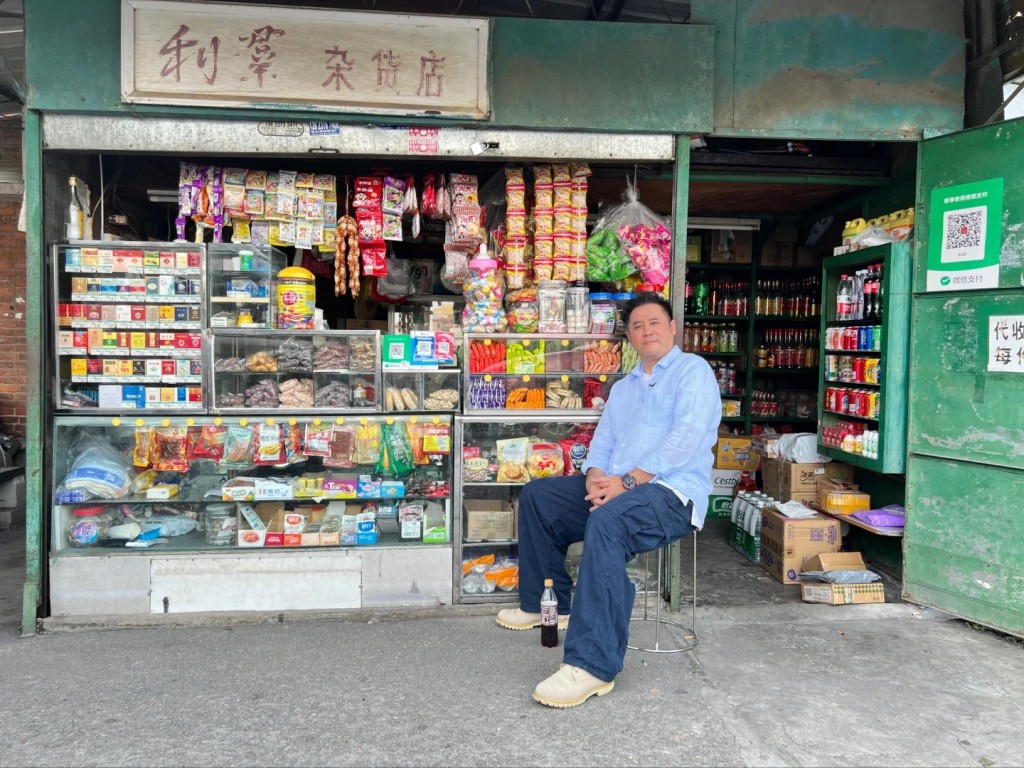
column 645, row 297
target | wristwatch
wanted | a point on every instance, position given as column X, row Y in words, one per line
column 628, row 481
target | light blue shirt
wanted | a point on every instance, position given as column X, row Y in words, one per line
column 666, row 426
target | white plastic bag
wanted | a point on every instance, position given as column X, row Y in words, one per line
column 802, row 448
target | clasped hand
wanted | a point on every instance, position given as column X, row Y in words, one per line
column 602, row 489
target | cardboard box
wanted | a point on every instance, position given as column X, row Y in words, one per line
column 777, row 254
column 719, row 508
column 843, row 594
column 791, row 477
column 788, row 542
column 736, row 453
column 731, row 246
column 723, row 481
column 825, row 485
column 766, row 445
column 488, row 519
column 840, row 594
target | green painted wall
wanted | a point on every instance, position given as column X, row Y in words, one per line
column 964, row 546
column 832, row 68
column 545, row 74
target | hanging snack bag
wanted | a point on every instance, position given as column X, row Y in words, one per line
column 170, row 449
column 317, row 440
column 342, row 451
column 269, row 448
column 209, row 443
column 238, row 445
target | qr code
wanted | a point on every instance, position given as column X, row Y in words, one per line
column 964, row 234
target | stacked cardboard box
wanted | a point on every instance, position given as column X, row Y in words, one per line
column 788, row 542
column 733, row 456
column 790, row 481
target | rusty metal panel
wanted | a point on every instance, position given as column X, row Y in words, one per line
column 964, row 541
column 835, row 69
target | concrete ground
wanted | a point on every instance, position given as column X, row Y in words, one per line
column 772, row 682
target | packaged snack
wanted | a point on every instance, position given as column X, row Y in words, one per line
column 396, row 456
column 512, row 460
column 238, row 445
column 367, row 444
column 544, row 460
column 143, row 446
column 318, row 440
column 170, row 449
column 209, row 443
column 269, row 449
column 574, row 451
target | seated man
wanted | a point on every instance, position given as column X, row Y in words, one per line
column 646, row 484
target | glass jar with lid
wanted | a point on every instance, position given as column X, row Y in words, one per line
column 551, row 306
column 220, row 524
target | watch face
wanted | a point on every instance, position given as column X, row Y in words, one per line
column 628, row 481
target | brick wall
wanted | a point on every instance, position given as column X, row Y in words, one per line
column 13, row 361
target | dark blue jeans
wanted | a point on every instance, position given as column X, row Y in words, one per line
column 553, row 514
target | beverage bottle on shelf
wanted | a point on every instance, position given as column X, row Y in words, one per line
column 844, row 298
column 879, row 294
column 76, row 212
column 688, row 299
column 549, row 615
column 870, row 286
column 700, row 297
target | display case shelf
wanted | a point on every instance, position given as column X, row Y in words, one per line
column 306, row 372
column 232, row 493
column 122, row 313
column 482, row 443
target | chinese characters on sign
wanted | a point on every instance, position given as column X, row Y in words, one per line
column 1006, row 343
column 196, row 53
column 964, row 236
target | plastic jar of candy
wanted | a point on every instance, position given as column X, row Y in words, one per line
column 602, row 313
column 577, row 309
column 522, row 311
column 551, row 306
column 483, row 290
column 621, row 299
column 88, row 525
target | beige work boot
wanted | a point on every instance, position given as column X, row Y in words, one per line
column 517, row 618
column 569, row 687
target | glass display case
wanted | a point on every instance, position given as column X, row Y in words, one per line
column 241, row 284
column 571, row 374
column 295, row 371
column 128, row 321
column 432, row 391
column 212, row 483
column 495, row 459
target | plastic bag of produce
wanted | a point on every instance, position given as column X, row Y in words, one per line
column 628, row 238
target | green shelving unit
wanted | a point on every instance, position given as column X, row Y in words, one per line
column 893, row 355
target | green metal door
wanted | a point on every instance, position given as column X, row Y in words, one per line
column 964, row 542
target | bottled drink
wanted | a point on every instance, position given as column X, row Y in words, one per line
column 746, row 483
column 76, row 212
column 549, row 615
column 844, row 298
column 700, row 297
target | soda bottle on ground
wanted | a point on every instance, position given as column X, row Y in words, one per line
column 549, row 615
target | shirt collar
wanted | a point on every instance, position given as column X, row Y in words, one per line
column 665, row 361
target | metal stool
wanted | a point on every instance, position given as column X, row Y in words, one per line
column 689, row 641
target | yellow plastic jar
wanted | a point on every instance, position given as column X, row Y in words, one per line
column 296, row 298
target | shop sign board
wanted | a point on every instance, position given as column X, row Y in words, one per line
column 965, row 236
column 1006, row 343
column 264, row 56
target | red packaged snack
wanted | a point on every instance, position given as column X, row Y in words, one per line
column 574, row 451
column 368, row 192
column 169, row 451
column 208, row 443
